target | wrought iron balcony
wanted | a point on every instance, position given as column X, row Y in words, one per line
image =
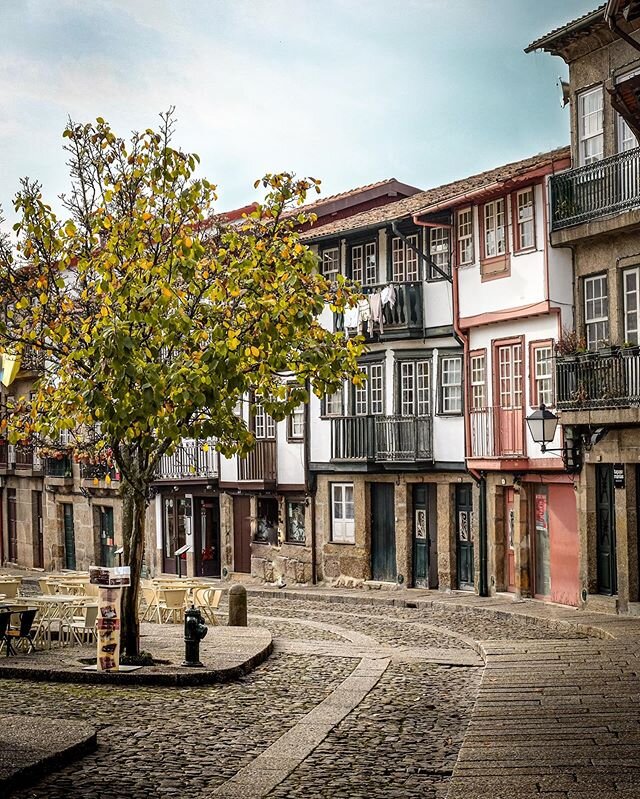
column 608, row 378
column 382, row 439
column 497, row 432
column 605, row 187
column 189, row 461
column 400, row 319
column 260, row 464
column 58, row 467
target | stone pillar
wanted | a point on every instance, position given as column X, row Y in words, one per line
column 626, row 548
column 495, row 536
column 447, row 572
column 404, row 531
column 237, row 606
column 632, row 538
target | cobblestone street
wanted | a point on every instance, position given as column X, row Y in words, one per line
column 356, row 701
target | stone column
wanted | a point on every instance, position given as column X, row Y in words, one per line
column 404, row 531
column 447, row 572
column 522, row 542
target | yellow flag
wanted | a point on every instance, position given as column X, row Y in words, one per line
column 10, row 368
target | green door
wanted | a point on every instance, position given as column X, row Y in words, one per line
column 107, row 543
column 420, row 538
column 606, row 531
column 69, row 537
column 383, row 533
column 464, row 536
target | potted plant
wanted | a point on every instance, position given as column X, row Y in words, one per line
column 606, row 349
column 628, row 349
column 568, row 345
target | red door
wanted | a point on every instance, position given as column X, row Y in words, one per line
column 509, row 544
column 563, row 529
column 509, row 433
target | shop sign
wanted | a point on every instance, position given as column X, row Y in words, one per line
column 618, row 475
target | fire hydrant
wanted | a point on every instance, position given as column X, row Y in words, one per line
column 194, row 631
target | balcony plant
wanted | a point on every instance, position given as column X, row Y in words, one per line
column 569, row 345
column 607, row 350
column 628, row 350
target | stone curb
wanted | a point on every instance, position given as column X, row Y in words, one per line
column 188, row 677
column 29, row 774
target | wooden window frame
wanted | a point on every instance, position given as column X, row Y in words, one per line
column 333, row 485
column 479, row 353
column 405, row 250
column 597, row 320
column 493, row 267
column 324, row 414
column 291, row 438
column 335, row 248
column 367, row 250
column 518, row 249
column 496, row 344
column 534, row 398
column 287, row 538
column 253, row 415
column 469, row 236
column 434, row 276
column 366, row 387
column 581, row 139
column 442, row 357
column 635, row 270
column 414, row 360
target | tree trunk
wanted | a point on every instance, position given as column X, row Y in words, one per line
column 133, row 517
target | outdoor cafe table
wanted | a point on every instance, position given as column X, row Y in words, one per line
column 54, row 608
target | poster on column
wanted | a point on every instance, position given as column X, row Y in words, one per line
column 108, row 628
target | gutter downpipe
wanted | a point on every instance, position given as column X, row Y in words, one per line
column 610, row 18
column 478, row 477
column 307, row 485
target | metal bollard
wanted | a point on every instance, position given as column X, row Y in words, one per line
column 194, row 631
column 237, row 606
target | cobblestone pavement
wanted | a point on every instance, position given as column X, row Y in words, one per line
column 327, row 716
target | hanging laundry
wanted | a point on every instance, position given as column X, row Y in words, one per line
column 375, row 304
column 351, row 319
column 364, row 313
column 389, row 295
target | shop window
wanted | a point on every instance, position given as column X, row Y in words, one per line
column 267, row 520
column 295, row 531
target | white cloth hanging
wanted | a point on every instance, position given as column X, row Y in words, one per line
column 375, row 304
column 388, row 295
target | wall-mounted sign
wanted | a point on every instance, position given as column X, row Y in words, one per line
column 618, row 475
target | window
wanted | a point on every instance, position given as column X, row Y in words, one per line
column 363, row 263
column 334, row 404
column 465, row 236
column 263, row 425
column 368, row 398
column 494, row 229
column 626, row 139
column 590, row 138
column 267, row 520
column 404, row 260
column 630, row 281
column 295, row 521
column 296, row 423
column 542, row 368
column 510, row 376
column 478, row 380
column 451, row 384
column 331, row 263
column 415, row 388
column 342, row 516
column 439, row 252
column 596, row 311
column 525, row 220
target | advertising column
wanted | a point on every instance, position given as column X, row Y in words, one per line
column 110, row 583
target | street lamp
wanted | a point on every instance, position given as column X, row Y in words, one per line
column 542, row 425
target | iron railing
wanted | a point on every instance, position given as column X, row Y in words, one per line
column 259, row 465
column 98, row 471
column 588, row 192
column 405, row 315
column 383, row 439
column 189, row 460
column 603, row 379
column 497, row 432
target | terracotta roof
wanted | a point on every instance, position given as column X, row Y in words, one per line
column 350, row 193
column 423, row 200
column 545, row 42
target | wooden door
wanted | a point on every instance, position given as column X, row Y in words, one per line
column 510, row 414
column 242, row 535
column 69, row 537
column 509, row 543
column 37, row 529
column 464, row 535
column 420, row 538
column 383, row 533
column 607, row 572
column 12, row 525
column 207, row 537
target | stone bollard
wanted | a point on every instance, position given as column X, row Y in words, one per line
column 237, row 606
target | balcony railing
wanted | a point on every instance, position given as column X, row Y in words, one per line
column 260, row 464
column 497, row 432
column 404, row 316
column 588, row 192
column 382, row 439
column 189, row 461
column 58, row 467
column 604, row 379
column 98, row 471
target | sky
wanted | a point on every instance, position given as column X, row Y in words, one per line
column 348, row 91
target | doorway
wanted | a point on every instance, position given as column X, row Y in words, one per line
column 242, row 534
column 37, row 529
column 425, row 540
column 606, row 566
column 12, row 525
column 542, row 543
column 464, row 535
column 509, row 542
column 510, row 439
column 69, row 536
column 174, row 532
column 207, row 537
column 107, row 542
column 383, row 533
